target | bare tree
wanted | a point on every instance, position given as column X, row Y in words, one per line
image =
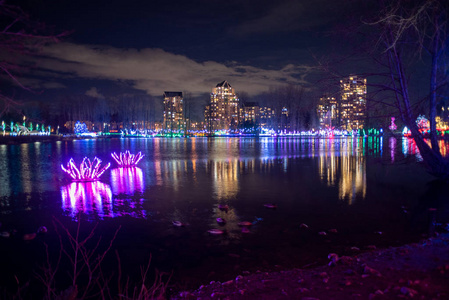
column 408, row 30
column 290, row 98
column 19, row 36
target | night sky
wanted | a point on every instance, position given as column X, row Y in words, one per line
column 148, row 47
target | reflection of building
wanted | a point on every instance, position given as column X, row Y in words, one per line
column 223, row 111
column 225, row 175
column 353, row 103
column 327, row 112
column 353, row 178
column 348, row 170
column 173, row 111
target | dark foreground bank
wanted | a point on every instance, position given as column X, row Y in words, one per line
column 418, row 271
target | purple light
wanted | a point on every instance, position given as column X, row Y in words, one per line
column 88, row 171
column 127, row 180
column 127, row 159
column 88, row 198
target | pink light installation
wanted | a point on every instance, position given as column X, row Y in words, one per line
column 392, row 126
column 127, row 159
column 88, row 171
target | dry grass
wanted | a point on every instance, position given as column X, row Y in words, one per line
column 84, row 256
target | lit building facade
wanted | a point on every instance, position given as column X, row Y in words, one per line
column 251, row 112
column 353, row 103
column 267, row 117
column 173, row 111
column 284, row 123
column 223, row 111
column 328, row 112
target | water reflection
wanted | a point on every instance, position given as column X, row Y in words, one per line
column 25, row 168
column 197, row 169
column 5, row 176
column 392, row 142
column 225, row 178
column 127, row 187
column 127, row 181
column 409, row 147
column 348, row 167
column 89, row 198
column 353, row 178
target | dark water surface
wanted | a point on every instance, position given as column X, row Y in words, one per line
column 373, row 191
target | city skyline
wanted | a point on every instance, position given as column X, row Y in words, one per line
column 140, row 53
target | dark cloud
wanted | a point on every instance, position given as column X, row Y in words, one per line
column 155, row 70
column 293, row 16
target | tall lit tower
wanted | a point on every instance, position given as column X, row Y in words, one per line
column 353, row 103
column 173, row 111
column 223, row 108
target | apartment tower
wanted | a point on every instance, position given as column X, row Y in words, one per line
column 173, row 112
column 353, row 103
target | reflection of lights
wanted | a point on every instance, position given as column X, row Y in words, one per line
column 353, row 178
column 127, row 159
column 392, row 147
column 5, row 183
column 125, row 183
column 409, row 147
column 26, row 171
column 348, row 170
column 87, row 198
column 127, row 180
column 88, row 171
column 225, row 175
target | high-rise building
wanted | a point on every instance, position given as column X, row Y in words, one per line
column 250, row 112
column 284, row 123
column 223, row 111
column 353, row 103
column 173, row 111
column 327, row 112
column 267, row 117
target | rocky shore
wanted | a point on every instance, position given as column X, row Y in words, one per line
column 418, row 271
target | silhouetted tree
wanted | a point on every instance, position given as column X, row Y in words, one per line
column 19, row 36
column 407, row 31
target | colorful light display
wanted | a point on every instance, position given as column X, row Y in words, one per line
column 88, row 170
column 127, row 159
column 424, row 127
column 80, row 128
column 393, row 126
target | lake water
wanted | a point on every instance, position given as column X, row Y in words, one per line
column 373, row 191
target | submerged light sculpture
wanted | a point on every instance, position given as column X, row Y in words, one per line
column 127, row 159
column 88, row 170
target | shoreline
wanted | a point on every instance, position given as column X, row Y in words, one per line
column 418, row 270
column 24, row 139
